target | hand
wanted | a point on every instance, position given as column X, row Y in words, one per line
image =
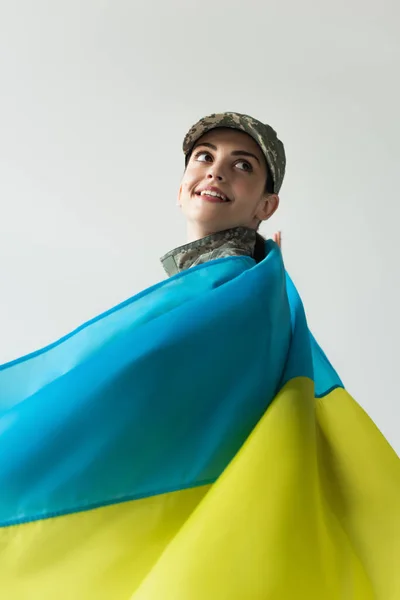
column 277, row 237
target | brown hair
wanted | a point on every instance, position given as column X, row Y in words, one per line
column 259, row 248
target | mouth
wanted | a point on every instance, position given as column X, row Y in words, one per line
column 214, row 197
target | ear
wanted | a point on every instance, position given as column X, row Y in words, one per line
column 267, row 207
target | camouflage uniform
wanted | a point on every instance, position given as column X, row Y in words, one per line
column 238, row 241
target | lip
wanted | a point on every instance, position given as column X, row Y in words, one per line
column 213, row 199
column 213, row 189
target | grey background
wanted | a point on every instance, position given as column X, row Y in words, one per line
column 95, row 98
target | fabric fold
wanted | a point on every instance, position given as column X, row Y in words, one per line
column 194, row 442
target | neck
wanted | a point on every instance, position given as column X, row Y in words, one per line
column 196, row 231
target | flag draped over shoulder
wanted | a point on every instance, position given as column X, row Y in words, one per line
column 194, row 443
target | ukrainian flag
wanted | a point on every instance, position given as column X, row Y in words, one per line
column 194, row 443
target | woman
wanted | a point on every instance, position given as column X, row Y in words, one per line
column 194, row 442
column 243, row 161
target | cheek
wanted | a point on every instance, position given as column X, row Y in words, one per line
column 249, row 188
column 185, row 192
column 189, row 181
column 244, row 190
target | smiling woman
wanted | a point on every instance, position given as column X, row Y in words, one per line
column 195, row 442
column 234, row 168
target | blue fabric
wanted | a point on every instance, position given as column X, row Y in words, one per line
column 155, row 395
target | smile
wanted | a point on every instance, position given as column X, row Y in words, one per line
column 213, row 195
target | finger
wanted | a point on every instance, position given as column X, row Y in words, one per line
column 277, row 238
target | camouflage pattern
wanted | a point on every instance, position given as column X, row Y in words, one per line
column 238, row 241
column 263, row 134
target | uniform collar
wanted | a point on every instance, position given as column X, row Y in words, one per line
column 238, row 241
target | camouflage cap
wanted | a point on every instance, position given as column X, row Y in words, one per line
column 263, row 134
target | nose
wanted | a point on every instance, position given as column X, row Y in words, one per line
column 216, row 172
column 214, row 175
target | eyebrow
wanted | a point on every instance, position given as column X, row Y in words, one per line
column 234, row 153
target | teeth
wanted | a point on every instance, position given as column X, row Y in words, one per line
column 210, row 193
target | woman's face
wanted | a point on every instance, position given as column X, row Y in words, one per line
column 231, row 161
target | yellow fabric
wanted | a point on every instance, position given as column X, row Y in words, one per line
column 309, row 508
column 101, row 554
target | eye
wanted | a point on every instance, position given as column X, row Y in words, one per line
column 198, row 154
column 248, row 166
